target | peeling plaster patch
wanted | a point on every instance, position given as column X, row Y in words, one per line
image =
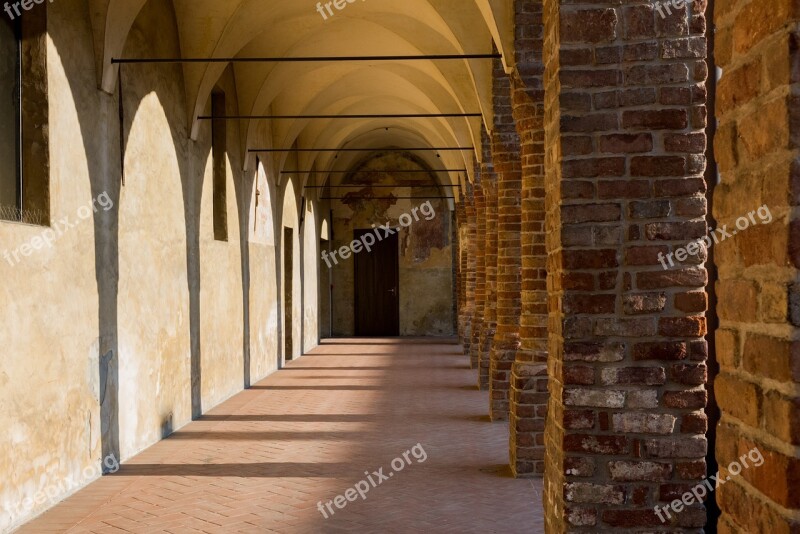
column 364, row 201
column 424, row 235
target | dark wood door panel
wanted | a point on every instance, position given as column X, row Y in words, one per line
column 377, row 281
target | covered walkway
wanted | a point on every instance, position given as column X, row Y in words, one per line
column 263, row 460
column 566, row 234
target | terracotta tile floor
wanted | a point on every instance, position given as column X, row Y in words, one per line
column 261, row 461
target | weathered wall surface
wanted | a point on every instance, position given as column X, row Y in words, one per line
column 154, row 356
column 324, row 210
column 426, row 263
column 311, row 269
column 136, row 318
column 49, row 374
column 264, row 310
column 757, row 149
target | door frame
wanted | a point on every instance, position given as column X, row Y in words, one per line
column 357, row 233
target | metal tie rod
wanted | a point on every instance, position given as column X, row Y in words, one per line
column 375, row 170
column 430, row 57
column 428, row 149
column 387, row 198
column 364, row 116
column 368, row 186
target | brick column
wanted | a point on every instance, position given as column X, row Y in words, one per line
column 507, row 165
column 468, row 263
column 489, row 325
column 457, row 289
column 480, row 271
column 529, row 372
column 624, row 114
column 463, row 236
column 757, row 148
column 459, row 270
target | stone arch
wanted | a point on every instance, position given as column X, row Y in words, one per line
column 311, row 273
column 290, row 272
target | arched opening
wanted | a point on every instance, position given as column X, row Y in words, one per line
column 291, row 287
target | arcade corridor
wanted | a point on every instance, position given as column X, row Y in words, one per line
column 261, row 461
column 543, row 255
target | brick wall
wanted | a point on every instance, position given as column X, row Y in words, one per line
column 469, row 277
column 468, row 268
column 489, row 324
column 555, row 458
column 460, row 266
column 527, row 418
column 757, row 153
column 625, row 126
column 529, row 372
column 480, row 271
column 508, row 166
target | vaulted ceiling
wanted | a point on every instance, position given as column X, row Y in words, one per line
column 295, row 28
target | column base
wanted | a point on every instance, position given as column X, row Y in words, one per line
column 527, row 417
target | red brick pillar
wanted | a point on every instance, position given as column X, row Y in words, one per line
column 469, row 268
column 529, row 373
column 757, row 148
column 480, row 271
column 460, row 266
column 463, row 262
column 624, row 112
column 459, row 279
column 489, row 324
column 507, row 165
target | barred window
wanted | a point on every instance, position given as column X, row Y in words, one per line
column 24, row 118
column 10, row 120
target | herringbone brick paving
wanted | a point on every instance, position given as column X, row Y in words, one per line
column 261, row 461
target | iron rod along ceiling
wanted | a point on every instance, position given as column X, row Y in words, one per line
column 428, row 149
column 431, row 57
column 357, row 116
column 381, row 186
column 375, row 170
column 388, row 198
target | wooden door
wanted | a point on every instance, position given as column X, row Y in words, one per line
column 377, row 288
